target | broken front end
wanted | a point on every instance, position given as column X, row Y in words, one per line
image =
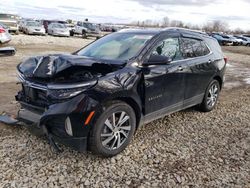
column 53, row 99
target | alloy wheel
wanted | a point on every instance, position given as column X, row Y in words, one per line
column 212, row 95
column 116, row 130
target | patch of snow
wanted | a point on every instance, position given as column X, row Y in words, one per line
column 247, row 80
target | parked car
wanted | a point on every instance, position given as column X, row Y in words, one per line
column 96, row 98
column 87, row 29
column 46, row 23
column 4, row 34
column 33, row 27
column 236, row 41
column 245, row 40
column 7, row 51
column 58, row 29
column 11, row 21
column 21, row 24
column 222, row 40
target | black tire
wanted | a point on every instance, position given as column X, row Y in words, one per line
column 84, row 34
column 97, row 142
column 71, row 33
column 206, row 106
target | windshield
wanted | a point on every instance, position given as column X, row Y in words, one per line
column 37, row 24
column 89, row 25
column 117, row 46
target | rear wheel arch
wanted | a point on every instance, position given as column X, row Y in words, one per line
column 219, row 79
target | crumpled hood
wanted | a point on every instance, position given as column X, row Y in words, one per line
column 50, row 65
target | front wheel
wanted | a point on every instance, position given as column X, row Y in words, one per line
column 113, row 130
column 211, row 97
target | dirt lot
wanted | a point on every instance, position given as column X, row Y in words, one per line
column 187, row 148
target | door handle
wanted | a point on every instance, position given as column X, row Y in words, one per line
column 180, row 68
column 209, row 61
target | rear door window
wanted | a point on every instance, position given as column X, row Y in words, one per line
column 192, row 48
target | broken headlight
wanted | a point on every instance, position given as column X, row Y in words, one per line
column 65, row 91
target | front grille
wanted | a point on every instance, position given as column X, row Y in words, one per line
column 35, row 96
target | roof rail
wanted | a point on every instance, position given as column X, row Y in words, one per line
column 185, row 29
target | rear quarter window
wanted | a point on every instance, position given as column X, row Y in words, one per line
column 214, row 47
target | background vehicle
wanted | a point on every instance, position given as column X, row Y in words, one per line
column 236, row 41
column 7, row 51
column 97, row 97
column 58, row 29
column 21, row 24
column 4, row 34
column 245, row 40
column 87, row 29
column 222, row 40
column 11, row 21
column 47, row 22
column 33, row 27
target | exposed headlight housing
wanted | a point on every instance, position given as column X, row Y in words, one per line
column 65, row 91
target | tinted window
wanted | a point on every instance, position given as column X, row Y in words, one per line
column 193, row 48
column 168, row 47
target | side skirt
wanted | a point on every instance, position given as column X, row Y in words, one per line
column 172, row 109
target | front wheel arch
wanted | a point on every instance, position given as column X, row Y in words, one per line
column 107, row 107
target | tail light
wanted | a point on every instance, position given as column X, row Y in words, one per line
column 2, row 30
column 225, row 59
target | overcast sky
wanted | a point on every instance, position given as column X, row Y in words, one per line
column 235, row 12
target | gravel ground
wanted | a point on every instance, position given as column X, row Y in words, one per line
column 185, row 149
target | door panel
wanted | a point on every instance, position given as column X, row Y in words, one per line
column 197, row 78
column 199, row 61
column 164, row 84
column 164, row 87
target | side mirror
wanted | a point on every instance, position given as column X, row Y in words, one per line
column 7, row 51
column 158, row 60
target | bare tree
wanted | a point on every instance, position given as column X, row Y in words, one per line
column 165, row 22
column 220, row 26
column 176, row 23
column 238, row 31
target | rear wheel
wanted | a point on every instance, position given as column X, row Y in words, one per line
column 211, row 97
column 113, row 130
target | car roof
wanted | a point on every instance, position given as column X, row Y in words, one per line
column 155, row 31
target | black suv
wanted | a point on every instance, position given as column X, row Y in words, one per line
column 96, row 98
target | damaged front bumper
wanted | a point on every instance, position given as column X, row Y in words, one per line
column 62, row 122
column 32, row 121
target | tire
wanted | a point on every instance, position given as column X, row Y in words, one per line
column 84, row 34
column 104, row 138
column 71, row 33
column 211, row 97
